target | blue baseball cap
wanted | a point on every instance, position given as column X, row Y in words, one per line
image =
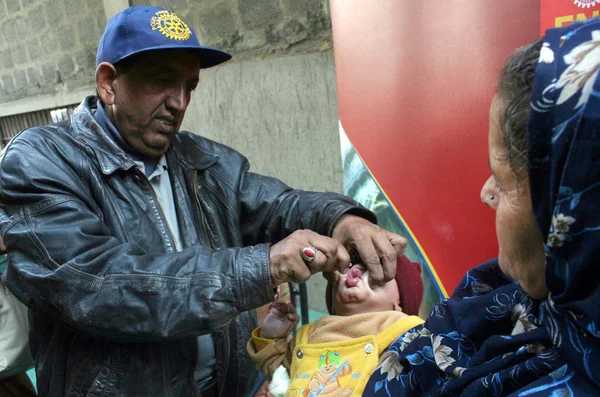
column 140, row 28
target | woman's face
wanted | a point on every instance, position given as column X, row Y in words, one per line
column 521, row 248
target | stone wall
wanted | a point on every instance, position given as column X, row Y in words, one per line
column 255, row 28
column 47, row 46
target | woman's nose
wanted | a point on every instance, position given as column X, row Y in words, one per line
column 488, row 193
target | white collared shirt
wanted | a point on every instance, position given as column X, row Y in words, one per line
column 161, row 184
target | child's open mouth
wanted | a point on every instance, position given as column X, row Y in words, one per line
column 354, row 275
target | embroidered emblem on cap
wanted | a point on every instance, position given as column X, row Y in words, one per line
column 170, row 25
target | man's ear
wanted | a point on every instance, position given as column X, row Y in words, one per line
column 106, row 73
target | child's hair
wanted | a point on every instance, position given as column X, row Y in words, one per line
column 410, row 286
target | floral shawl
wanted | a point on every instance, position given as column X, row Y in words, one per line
column 489, row 338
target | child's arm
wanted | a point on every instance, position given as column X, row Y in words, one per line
column 272, row 345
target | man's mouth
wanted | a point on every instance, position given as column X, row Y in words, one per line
column 168, row 122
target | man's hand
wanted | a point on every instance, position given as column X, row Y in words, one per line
column 280, row 321
column 287, row 263
column 378, row 248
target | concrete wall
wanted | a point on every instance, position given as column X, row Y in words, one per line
column 275, row 101
column 282, row 114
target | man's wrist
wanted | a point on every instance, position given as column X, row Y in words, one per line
column 356, row 212
column 340, row 231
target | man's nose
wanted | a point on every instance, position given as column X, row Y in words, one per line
column 178, row 99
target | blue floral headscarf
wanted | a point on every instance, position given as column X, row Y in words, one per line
column 490, row 338
column 564, row 157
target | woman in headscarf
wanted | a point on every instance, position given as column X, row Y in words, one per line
column 528, row 322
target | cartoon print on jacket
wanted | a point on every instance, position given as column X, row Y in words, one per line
column 325, row 382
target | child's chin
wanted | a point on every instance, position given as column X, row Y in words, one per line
column 352, row 294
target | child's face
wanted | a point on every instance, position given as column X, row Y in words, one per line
column 352, row 293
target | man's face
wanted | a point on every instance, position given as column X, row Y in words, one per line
column 151, row 95
column 352, row 293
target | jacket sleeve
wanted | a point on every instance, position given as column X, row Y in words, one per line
column 271, row 210
column 269, row 354
column 64, row 260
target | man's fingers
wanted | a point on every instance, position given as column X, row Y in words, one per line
column 331, row 256
column 318, row 263
column 288, row 263
column 387, row 255
column 370, row 258
column 300, row 272
column 398, row 242
column 343, row 259
column 329, row 276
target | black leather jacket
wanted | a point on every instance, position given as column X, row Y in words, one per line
column 114, row 309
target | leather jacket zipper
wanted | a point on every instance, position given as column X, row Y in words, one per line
column 162, row 214
column 202, row 220
column 224, row 332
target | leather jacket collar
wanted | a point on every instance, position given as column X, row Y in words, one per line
column 111, row 157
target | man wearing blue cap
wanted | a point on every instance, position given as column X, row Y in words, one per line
column 142, row 251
